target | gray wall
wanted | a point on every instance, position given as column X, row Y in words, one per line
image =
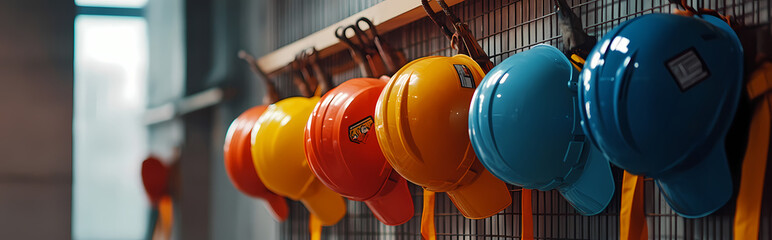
column 36, row 79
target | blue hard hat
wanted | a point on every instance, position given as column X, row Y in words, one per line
column 524, row 127
column 658, row 95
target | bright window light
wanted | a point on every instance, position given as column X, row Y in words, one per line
column 110, row 139
column 112, row 3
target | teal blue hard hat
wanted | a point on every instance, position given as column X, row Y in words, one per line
column 659, row 93
column 524, row 126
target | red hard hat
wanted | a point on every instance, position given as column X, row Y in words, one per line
column 155, row 178
column 241, row 168
column 343, row 152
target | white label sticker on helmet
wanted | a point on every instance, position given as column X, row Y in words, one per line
column 465, row 76
column 688, row 69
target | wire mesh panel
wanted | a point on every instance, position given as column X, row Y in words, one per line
column 503, row 28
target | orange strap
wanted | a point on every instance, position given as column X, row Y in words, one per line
column 526, row 211
column 748, row 209
column 165, row 218
column 632, row 218
column 314, row 227
column 577, row 61
column 427, row 217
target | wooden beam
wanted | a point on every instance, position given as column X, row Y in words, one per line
column 387, row 15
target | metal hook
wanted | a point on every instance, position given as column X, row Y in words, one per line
column 340, row 33
column 357, row 52
column 323, row 78
column 309, row 78
column 370, row 25
column 272, row 95
column 453, row 18
column 367, row 41
column 703, row 11
column 298, row 78
column 462, row 40
column 392, row 60
column 575, row 39
column 436, row 18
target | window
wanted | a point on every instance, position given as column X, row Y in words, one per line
column 110, row 138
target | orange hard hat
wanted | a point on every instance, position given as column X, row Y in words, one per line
column 278, row 155
column 155, row 179
column 343, row 152
column 421, row 125
column 240, row 167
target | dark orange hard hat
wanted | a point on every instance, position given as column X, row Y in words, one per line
column 155, row 178
column 344, row 153
column 241, row 168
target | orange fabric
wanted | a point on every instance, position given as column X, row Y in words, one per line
column 314, row 227
column 166, row 219
column 748, row 210
column 577, row 61
column 632, row 218
column 427, row 217
column 526, row 211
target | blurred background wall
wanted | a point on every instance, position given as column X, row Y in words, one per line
column 36, row 104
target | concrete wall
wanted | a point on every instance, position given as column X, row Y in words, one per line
column 36, row 83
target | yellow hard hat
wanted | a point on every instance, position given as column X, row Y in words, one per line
column 421, row 125
column 280, row 161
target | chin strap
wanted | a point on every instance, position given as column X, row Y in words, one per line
column 526, row 214
column 314, row 227
column 427, row 217
column 577, row 61
column 462, row 39
column 164, row 221
column 632, row 218
column 749, row 200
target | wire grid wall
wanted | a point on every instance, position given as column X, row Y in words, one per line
column 503, row 28
column 299, row 18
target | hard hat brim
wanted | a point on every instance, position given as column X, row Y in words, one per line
column 394, row 206
column 325, row 204
column 701, row 189
column 484, row 197
column 277, row 206
column 593, row 190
